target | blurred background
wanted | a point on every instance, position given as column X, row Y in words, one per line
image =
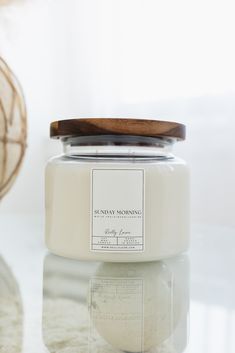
column 170, row 60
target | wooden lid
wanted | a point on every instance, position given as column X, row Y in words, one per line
column 116, row 126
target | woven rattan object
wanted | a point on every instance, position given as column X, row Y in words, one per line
column 13, row 128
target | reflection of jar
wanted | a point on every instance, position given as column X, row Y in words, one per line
column 136, row 307
column 102, row 308
column 117, row 193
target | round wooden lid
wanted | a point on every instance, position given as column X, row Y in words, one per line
column 116, row 126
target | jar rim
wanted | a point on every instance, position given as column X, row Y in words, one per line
column 61, row 129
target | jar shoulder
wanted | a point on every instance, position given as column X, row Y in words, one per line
column 63, row 160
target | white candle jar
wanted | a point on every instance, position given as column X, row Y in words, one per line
column 117, row 193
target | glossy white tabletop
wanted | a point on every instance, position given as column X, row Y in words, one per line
column 51, row 304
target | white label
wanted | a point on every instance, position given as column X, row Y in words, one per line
column 117, row 206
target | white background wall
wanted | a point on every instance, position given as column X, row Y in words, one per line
column 161, row 59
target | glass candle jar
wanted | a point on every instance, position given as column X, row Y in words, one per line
column 117, row 193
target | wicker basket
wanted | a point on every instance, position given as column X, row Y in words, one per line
column 13, row 127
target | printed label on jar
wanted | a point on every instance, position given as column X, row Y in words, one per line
column 117, row 210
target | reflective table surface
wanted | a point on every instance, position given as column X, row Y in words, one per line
column 52, row 304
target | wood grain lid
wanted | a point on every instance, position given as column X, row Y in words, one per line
column 116, row 126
